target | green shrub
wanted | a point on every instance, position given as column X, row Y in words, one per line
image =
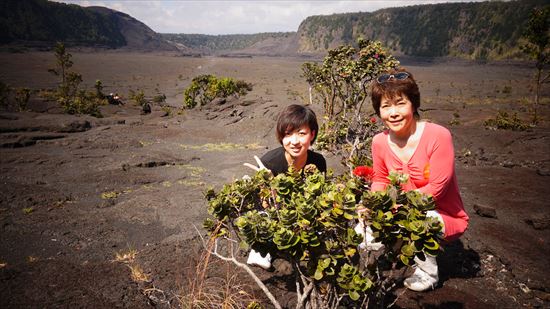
column 138, row 97
column 159, row 98
column 22, row 96
column 504, row 121
column 5, row 91
column 83, row 102
column 167, row 110
column 308, row 220
column 14, row 99
column 205, row 88
column 99, row 89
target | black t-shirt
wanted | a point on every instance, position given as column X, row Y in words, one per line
column 275, row 161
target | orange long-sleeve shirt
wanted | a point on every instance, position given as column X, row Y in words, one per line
column 431, row 171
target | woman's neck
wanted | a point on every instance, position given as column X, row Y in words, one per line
column 296, row 162
column 401, row 138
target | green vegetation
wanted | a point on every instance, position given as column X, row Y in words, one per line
column 159, row 98
column 138, row 97
column 72, row 99
column 537, row 34
column 45, row 21
column 5, row 90
column 14, row 99
column 341, row 84
column 456, row 119
column 110, row 195
column 221, row 147
column 22, row 96
column 308, row 221
column 479, row 31
column 213, row 43
column 68, row 95
column 504, row 121
column 205, row 88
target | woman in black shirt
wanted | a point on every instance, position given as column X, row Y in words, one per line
column 296, row 130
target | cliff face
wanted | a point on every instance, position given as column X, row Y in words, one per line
column 136, row 34
column 39, row 22
column 486, row 30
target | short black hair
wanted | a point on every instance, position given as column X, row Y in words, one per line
column 293, row 117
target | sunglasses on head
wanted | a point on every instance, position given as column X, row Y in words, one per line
column 386, row 77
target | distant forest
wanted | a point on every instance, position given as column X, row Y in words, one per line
column 43, row 21
column 210, row 43
column 479, row 30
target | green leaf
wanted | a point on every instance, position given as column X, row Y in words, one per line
column 325, row 262
column 408, row 250
column 349, row 216
column 318, row 275
column 350, row 251
column 337, row 211
column 431, row 244
column 353, row 294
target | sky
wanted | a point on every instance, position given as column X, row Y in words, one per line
column 238, row 17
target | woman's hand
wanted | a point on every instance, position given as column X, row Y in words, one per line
column 260, row 166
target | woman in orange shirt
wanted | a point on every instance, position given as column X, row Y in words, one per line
column 422, row 150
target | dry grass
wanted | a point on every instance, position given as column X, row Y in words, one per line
column 137, row 273
column 32, row 259
column 226, row 292
column 211, row 286
column 126, row 257
column 129, row 258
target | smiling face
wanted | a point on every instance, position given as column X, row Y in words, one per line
column 398, row 114
column 297, row 142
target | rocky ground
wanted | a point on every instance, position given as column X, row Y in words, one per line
column 106, row 212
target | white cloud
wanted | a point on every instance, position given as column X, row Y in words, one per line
column 228, row 17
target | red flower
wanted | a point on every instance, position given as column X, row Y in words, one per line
column 372, row 120
column 365, row 172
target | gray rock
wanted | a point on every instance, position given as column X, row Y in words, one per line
column 485, row 211
column 218, row 101
column 76, row 126
column 539, row 222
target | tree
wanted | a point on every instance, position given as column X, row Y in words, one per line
column 70, row 81
column 68, row 95
column 341, row 83
column 63, row 61
column 537, row 48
